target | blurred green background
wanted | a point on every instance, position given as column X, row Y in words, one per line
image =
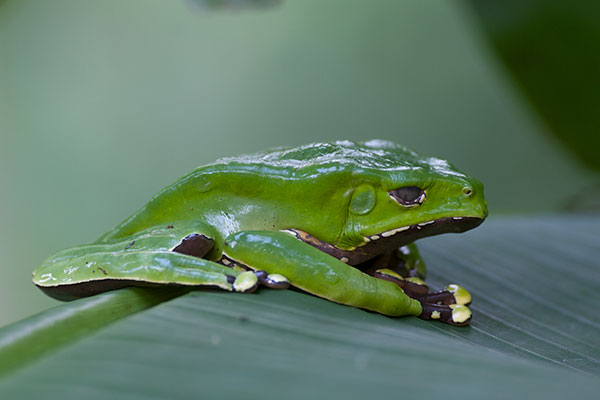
column 104, row 103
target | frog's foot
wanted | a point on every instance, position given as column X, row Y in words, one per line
column 454, row 314
column 448, row 305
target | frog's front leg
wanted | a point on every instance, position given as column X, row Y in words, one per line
column 405, row 261
column 406, row 268
column 316, row 272
column 161, row 255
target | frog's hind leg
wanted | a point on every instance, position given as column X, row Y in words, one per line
column 159, row 256
column 406, row 268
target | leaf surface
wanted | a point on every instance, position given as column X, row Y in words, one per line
column 534, row 283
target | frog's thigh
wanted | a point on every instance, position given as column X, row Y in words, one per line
column 313, row 271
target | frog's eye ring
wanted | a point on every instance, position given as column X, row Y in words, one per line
column 408, row 196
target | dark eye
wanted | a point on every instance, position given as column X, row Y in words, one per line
column 408, row 196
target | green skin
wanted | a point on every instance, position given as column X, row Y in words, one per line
column 239, row 209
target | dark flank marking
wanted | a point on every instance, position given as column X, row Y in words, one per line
column 195, row 245
column 129, row 245
column 354, row 256
column 230, row 279
column 103, row 270
column 376, row 247
column 170, row 227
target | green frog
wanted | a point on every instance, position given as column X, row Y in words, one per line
column 337, row 220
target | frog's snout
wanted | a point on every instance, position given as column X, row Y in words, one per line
column 472, row 193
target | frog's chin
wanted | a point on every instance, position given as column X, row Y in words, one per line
column 410, row 233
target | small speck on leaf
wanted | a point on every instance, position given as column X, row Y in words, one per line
column 215, row 339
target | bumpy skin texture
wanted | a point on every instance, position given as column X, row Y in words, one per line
column 335, row 197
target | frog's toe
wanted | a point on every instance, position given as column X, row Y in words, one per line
column 454, row 314
column 273, row 281
column 461, row 315
column 461, row 295
column 246, row 282
column 452, row 294
column 276, row 281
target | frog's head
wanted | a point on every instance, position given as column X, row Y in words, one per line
column 391, row 196
column 399, row 196
column 356, row 200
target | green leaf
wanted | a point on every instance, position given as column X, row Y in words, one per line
column 534, row 333
column 34, row 336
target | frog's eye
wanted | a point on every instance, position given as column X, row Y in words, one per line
column 408, row 196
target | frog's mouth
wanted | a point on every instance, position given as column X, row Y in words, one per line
column 387, row 241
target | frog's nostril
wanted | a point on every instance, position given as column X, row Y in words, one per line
column 467, row 190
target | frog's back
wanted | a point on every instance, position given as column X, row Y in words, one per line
column 320, row 167
column 320, row 158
